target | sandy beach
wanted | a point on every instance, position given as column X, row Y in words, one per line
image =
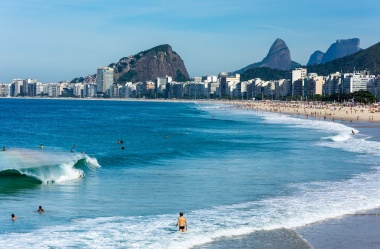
column 328, row 112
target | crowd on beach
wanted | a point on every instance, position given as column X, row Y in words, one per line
column 317, row 110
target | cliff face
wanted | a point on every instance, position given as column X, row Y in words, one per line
column 150, row 64
column 339, row 49
column 278, row 56
column 366, row 59
column 316, row 58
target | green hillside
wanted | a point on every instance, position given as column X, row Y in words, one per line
column 265, row 73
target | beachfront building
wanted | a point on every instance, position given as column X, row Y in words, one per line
column 227, row 84
column 333, row 84
column 126, row 90
column 53, row 90
column 213, row 90
column 78, row 90
column 16, row 87
column 374, row 87
column 89, row 90
column 314, row 85
column 174, row 90
column 268, row 89
column 160, row 82
column 356, row 81
column 194, row 90
column 298, row 79
column 104, row 80
column 298, row 87
column 5, row 90
column 282, row 88
column 240, row 90
column 209, row 78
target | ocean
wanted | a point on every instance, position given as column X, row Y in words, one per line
column 243, row 179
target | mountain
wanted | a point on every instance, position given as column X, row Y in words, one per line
column 316, row 58
column 339, row 49
column 278, row 57
column 150, row 64
column 364, row 59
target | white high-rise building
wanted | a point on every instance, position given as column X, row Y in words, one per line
column 298, row 76
column 353, row 82
column 104, row 79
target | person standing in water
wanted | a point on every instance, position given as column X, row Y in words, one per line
column 40, row 210
column 14, row 217
column 182, row 223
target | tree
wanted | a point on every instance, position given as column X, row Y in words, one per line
column 364, row 97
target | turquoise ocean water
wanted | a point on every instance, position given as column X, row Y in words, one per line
column 228, row 172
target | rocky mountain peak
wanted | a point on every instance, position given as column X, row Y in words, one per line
column 278, row 56
column 339, row 49
column 150, row 64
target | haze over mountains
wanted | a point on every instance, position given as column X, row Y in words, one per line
column 337, row 50
column 162, row 60
column 365, row 59
column 278, row 57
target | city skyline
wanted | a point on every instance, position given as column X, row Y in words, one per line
column 66, row 39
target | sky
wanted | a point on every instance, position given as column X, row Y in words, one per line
column 55, row 40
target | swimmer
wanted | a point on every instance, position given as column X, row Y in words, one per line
column 71, row 151
column 181, row 223
column 40, row 210
column 166, row 136
column 14, row 217
column 3, row 149
column 41, row 146
column 122, row 147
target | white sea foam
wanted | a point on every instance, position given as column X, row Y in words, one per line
column 313, row 203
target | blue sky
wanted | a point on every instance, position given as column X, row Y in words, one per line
column 54, row 40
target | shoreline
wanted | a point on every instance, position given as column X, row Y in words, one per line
column 330, row 112
column 326, row 112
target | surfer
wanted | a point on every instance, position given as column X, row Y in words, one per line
column 181, row 223
column 71, row 151
column 14, row 217
column 41, row 146
column 166, row 136
column 3, row 149
column 40, row 210
column 352, row 131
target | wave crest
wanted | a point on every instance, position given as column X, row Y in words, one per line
column 45, row 167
